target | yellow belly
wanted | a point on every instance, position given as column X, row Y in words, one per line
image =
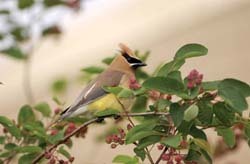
column 107, row 102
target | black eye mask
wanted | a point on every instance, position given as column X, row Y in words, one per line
column 131, row 60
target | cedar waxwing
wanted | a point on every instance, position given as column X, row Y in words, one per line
column 94, row 97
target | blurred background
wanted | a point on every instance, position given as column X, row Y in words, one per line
column 91, row 30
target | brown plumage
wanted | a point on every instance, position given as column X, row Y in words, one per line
column 119, row 72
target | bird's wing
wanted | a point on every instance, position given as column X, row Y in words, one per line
column 94, row 90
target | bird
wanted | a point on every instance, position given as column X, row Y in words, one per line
column 94, row 98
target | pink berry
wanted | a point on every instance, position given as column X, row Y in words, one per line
column 190, row 85
column 108, row 139
column 169, row 97
column 52, row 161
column 57, row 110
column 71, row 125
column 183, row 144
column 47, row 155
column 71, row 159
column 129, row 126
column 165, row 157
column 178, row 158
column 170, row 162
column 113, row 145
column 132, row 80
column 160, row 147
column 53, row 132
column 121, row 142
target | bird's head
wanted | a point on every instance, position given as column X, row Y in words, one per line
column 130, row 58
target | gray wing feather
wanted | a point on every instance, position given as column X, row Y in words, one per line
column 94, row 90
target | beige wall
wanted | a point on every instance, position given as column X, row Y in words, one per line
column 160, row 26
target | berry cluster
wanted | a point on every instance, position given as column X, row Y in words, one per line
column 116, row 139
column 133, row 84
column 172, row 156
column 54, row 159
column 194, row 78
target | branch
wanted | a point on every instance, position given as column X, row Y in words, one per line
column 84, row 125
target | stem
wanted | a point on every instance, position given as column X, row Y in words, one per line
column 132, row 123
column 86, row 124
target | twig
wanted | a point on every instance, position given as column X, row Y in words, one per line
column 84, row 125
column 39, row 157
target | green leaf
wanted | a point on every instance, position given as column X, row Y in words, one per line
column 241, row 86
column 140, row 74
column 177, row 113
column 2, row 139
column 164, row 85
column 92, row 70
column 143, row 143
column 205, row 115
column 140, row 153
column 193, row 155
column 15, row 52
column 22, row 4
column 64, row 152
column 44, row 108
column 172, row 141
column 51, row 3
column 13, row 130
column 139, row 104
column 125, row 159
column 119, row 92
column 108, row 60
column 228, row 136
column 233, row 97
column 59, row 86
column 5, row 154
column 4, row 12
column 19, row 33
column 51, row 30
column 162, row 104
column 142, row 134
column 197, row 133
column 9, row 125
column 210, row 85
column 29, row 149
column 27, row 158
column 25, row 115
column 247, row 130
column 10, row 146
column 203, row 144
column 190, row 50
column 5, row 121
column 170, row 67
column 191, row 112
column 224, row 115
column 175, row 75
column 35, row 128
column 189, row 94
column 148, row 126
column 125, row 93
column 57, row 137
column 185, row 127
column 106, row 112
